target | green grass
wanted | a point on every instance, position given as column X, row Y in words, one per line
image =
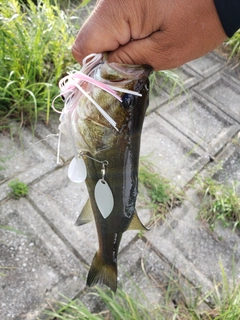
column 35, row 52
column 19, row 189
column 162, row 194
column 220, row 202
column 224, row 297
column 3, row 160
column 168, row 78
column 119, row 306
column 233, row 44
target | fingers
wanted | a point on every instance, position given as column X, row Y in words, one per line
column 173, row 45
column 101, row 32
column 152, row 50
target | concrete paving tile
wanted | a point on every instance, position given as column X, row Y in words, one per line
column 192, row 248
column 147, row 275
column 49, row 135
column 233, row 71
column 36, row 264
column 25, row 158
column 208, row 64
column 61, row 201
column 138, row 277
column 173, row 155
column 222, row 92
column 228, row 175
column 201, row 121
column 230, row 159
column 156, row 101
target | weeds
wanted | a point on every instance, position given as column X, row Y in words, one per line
column 225, row 299
column 118, row 306
column 5, row 268
column 220, row 202
column 2, row 162
column 19, row 189
column 234, row 44
column 163, row 196
column 35, row 43
column 73, row 309
column 160, row 79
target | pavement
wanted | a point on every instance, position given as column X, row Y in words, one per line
column 44, row 256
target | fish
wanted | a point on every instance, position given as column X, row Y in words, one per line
column 110, row 152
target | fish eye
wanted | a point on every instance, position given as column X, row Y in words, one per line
column 128, row 100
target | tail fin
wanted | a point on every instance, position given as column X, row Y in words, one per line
column 101, row 272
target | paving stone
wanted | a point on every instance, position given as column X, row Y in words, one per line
column 222, row 92
column 144, row 272
column 233, row 71
column 229, row 174
column 50, row 138
column 195, row 251
column 207, row 65
column 201, row 121
column 25, row 158
column 36, row 264
column 161, row 142
column 230, row 159
column 156, row 101
column 60, row 201
column 133, row 278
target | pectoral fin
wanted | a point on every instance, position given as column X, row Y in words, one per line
column 136, row 223
column 86, row 215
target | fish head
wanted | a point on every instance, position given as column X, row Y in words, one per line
column 95, row 132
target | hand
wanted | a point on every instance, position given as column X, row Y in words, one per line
column 163, row 34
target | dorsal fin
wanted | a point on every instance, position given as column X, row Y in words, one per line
column 136, row 223
column 86, row 215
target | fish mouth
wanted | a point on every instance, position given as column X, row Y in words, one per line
column 131, row 72
column 124, row 73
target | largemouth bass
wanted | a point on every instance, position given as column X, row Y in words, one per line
column 111, row 155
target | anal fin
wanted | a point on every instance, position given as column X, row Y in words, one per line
column 86, row 214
